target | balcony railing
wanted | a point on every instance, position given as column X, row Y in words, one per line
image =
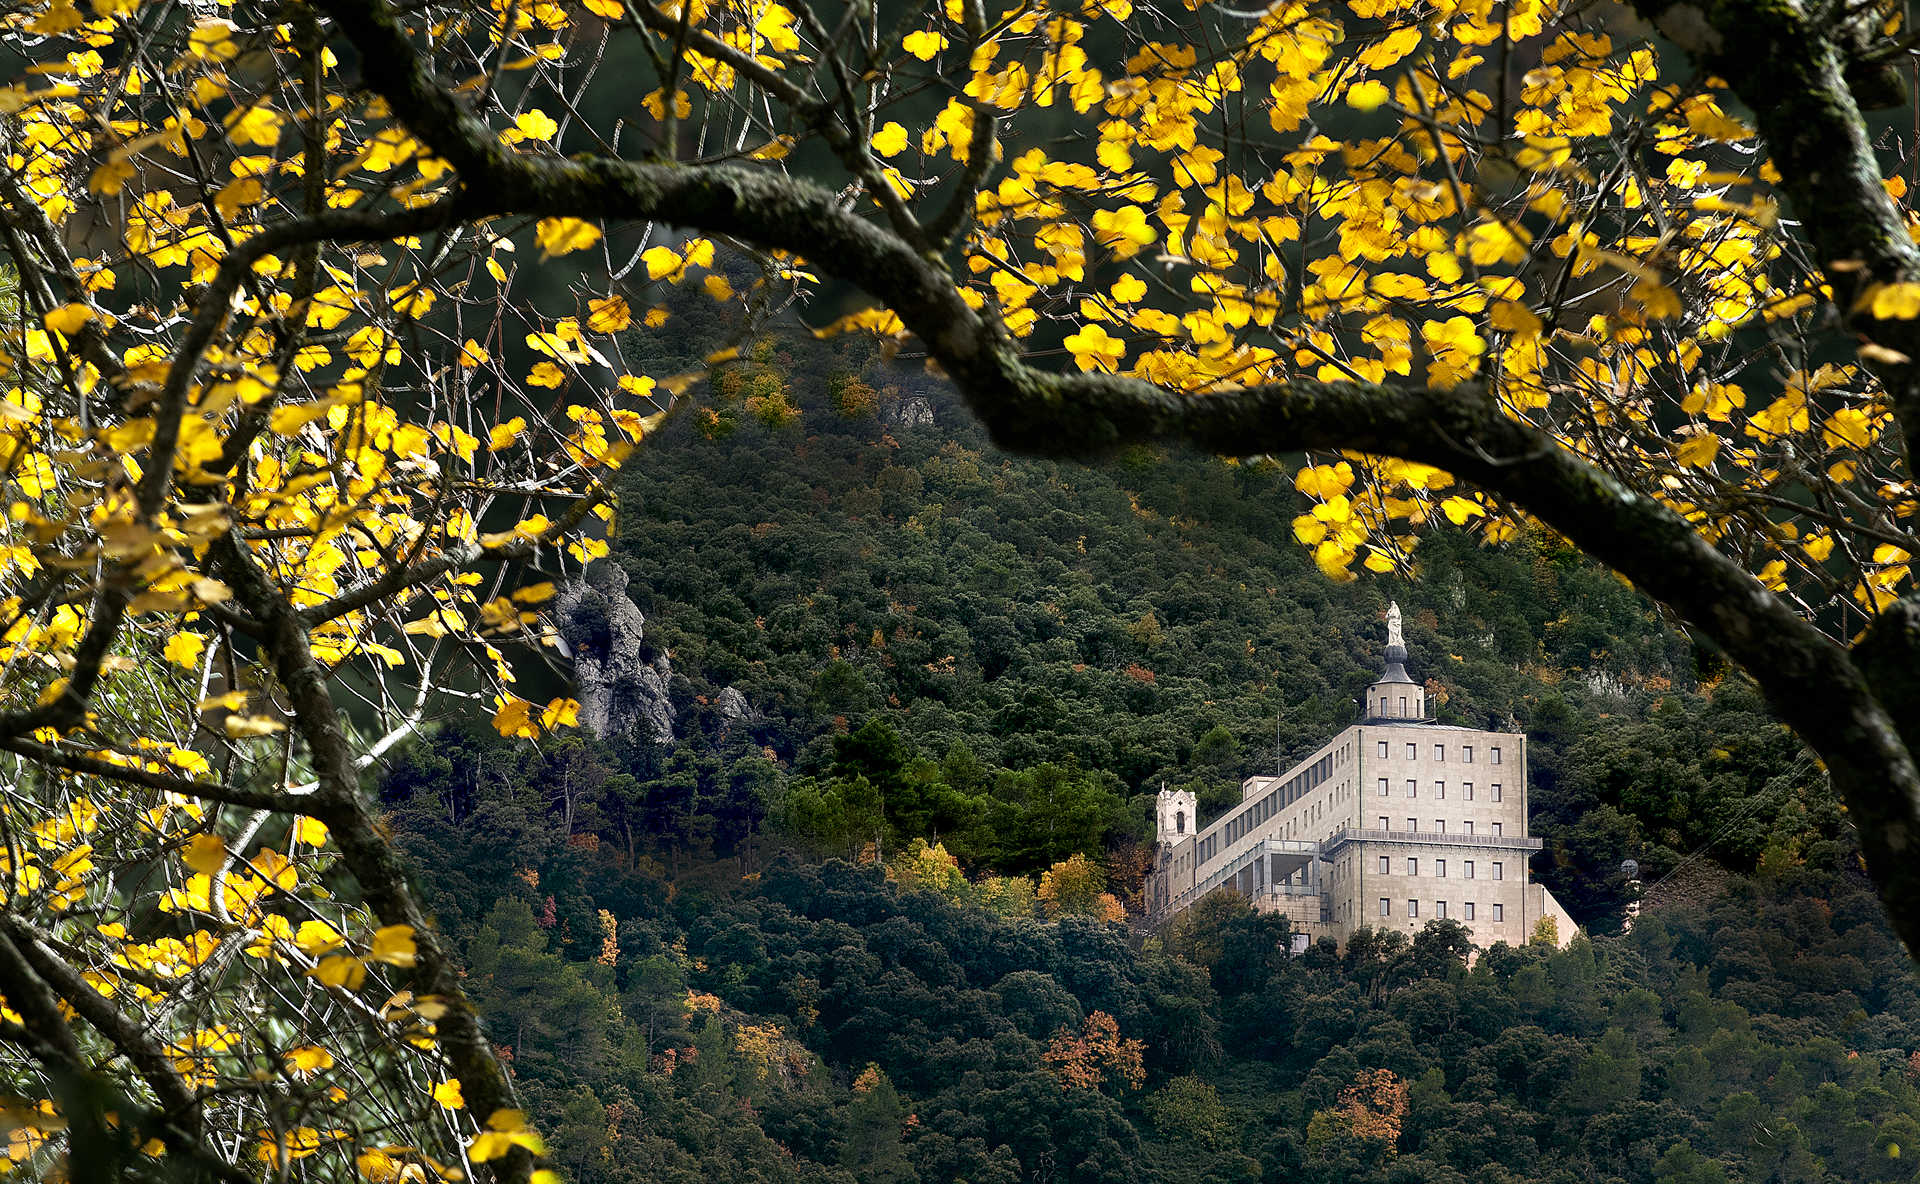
column 1355, row 834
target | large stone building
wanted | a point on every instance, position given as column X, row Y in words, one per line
column 1395, row 822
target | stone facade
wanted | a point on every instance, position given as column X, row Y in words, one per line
column 1395, row 822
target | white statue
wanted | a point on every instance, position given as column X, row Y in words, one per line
column 1393, row 626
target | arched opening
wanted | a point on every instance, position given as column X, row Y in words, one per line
column 1179, row 822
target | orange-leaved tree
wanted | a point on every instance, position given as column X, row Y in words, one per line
column 319, row 338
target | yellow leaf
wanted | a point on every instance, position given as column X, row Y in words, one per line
column 341, row 970
column 256, row 125
column 213, row 38
column 536, row 125
column 924, row 44
column 559, row 236
column 561, row 713
column 111, row 177
column 608, row 316
column 1459, row 509
column 890, row 140
column 184, row 649
column 472, row 353
column 515, row 718
column 661, row 262
column 1696, row 451
column 1659, row 301
column 205, row 854
column 317, row 937
column 1510, row 316
column 535, row 593
column 393, row 944
column 504, row 434
column 488, row 1145
column 308, row 1058
column 231, row 701
column 67, row 319
column 310, row 831
column 1895, row 302
column 242, row 726
column 1849, row 427
column 447, row 1093
column 1366, row 96
column 290, row 419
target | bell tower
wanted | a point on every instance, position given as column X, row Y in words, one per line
column 1176, row 816
column 1396, row 695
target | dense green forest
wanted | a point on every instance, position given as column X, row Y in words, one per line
column 818, row 1022
column 1006, row 657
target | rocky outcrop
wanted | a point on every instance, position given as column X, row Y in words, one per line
column 732, row 706
column 914, row 411
column 622, row 681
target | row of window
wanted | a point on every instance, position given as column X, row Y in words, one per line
column 1499, row 868
column 1439, row 826
column 1279, row 798
column 1439, row 910
column 1440, row 752
column 1439, row 789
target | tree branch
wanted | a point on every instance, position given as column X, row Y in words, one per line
column 211, row 791
column 1038, row 412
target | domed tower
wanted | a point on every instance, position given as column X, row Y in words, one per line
column 1396, row 695
column 1176, row 815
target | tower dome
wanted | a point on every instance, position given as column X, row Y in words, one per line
column 1396, row 696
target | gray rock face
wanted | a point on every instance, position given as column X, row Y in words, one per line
column 911, row 412
column 622, row 688
column 733, row 705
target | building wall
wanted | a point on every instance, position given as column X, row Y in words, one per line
column 1428, row 888
column 1441, row 775
column 1348, row 796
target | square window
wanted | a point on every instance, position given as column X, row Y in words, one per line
column 1383, row 750
column 1497, row 869
column 1469, row 867
column 1440, row 791
column 1386, row 907
column 1468, row 824
column 1496, row 829
column 1413, row 752
column 1466, row 789
column 1413, row 908
column 1413, row 867
column 1496, row 754
column 1499, row 912
column 1440, row 869
column 1440, row 826
column 1466, row 753
column 1413, row 788
column 1469, row 908
column 1384, row 868
column 1439, row 752
column 1383, row 823
column 1496, row 790
column 1440, row 909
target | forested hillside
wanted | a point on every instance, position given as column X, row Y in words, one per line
column 819, row 1023
column 1009, row 655
column 1004, row 657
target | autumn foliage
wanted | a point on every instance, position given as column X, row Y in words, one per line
column 1097, row 1057
column 316, row 363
